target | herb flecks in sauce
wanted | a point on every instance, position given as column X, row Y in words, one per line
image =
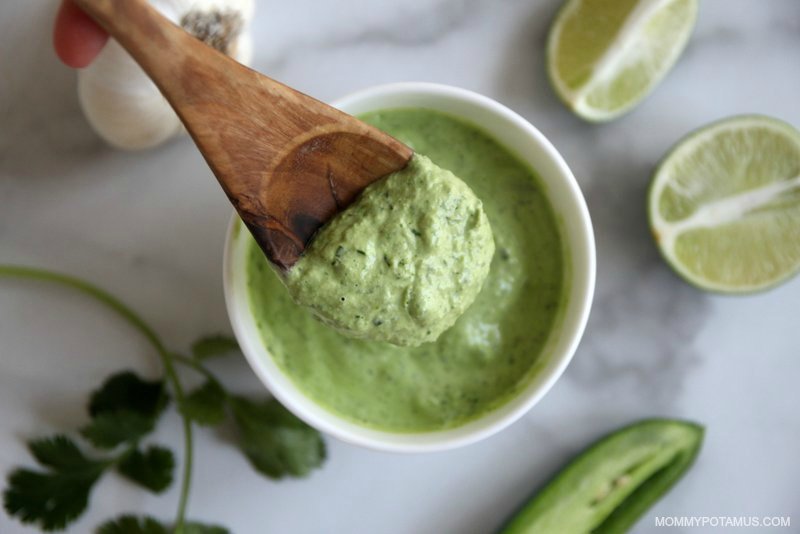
column 402, row 263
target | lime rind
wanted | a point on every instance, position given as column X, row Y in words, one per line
column 742, row 209
column 638, row 58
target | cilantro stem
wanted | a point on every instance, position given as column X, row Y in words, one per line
column 188, row 362
column 138, row 323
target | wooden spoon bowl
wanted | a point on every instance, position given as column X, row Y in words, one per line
column 287, row 162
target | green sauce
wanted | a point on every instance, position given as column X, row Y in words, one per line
column 402, row 263
column 492, row 350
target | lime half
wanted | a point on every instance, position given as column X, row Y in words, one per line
column 725, row 205
column 605, row 56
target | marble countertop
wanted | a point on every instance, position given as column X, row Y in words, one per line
column 150, row 228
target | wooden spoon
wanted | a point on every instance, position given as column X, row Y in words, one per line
column 287, row 162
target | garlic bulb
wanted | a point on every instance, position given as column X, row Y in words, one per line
column 119, row 100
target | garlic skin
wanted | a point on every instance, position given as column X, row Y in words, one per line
column 124, row 106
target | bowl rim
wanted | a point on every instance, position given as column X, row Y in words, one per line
column 581, row 279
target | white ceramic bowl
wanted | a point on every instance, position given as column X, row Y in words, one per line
column 563, row 192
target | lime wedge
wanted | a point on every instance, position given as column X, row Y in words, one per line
column 725, row 205
column 605, row 56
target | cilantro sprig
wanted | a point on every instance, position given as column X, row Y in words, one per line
column 123, row 413
column 55, row 497
column 276, row 443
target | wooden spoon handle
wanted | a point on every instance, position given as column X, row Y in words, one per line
column 286, row 161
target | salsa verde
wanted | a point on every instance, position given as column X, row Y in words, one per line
column 492, row 350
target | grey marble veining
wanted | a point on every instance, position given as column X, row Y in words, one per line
column 150, row 227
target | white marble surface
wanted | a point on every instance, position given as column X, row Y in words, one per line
column 150, row 228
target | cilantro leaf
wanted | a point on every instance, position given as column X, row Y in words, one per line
column 152, row 468
column 206, row 404
column 124, row 409
column 129, row 524
column 53, row 499
column 108, row 430
column 58, row 452
column 127, row 391
column 275, row 441
column 213, row 346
